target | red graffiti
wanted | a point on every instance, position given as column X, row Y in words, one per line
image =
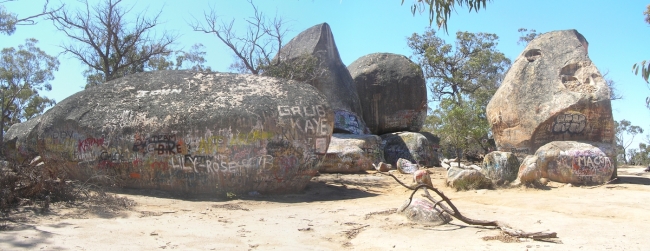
column 88, row 143
column 160, row 165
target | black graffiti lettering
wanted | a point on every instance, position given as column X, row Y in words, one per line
column 569, row 123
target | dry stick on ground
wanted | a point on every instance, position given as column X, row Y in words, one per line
column 453, row 211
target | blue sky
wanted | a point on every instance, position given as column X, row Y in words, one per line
column 616, row 31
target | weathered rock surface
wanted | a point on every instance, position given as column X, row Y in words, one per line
column 335, row 82
column 528, row 170
column 349, row 153
column 421, row 177
column 191, row 132
column 552, row 92
column 418, row 147
column 19, row 141
column 422, row 211
column 467, row 179
column 406, row 167
column 500, row 167
column 580, row 163
column 383, row 167
column 392, row 92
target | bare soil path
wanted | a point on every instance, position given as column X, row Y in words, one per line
column 350, row 212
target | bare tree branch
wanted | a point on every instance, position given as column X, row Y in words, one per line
column 107, row 42
column 262, row 40
column 449, row 208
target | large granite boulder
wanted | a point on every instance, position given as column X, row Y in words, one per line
column 417, row 147
column 392, row 91
column 552, row 92
column 581, row 163
column 500, row 167
column 334, row 79
column 350, row 153
column 190, row 132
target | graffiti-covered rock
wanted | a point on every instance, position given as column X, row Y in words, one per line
column 423, row 211
column 349, row 153
column 392, row 91
column 406, row 167
column 580, row 163
column 500, row 167
column 19, row 141
column 333, row 78
column 191, row 132
column 528, row 171
column 467, row 179
column 418, row 147
column 552, row 92
column 421, row 177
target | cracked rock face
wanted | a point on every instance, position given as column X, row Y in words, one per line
column 335, row 81
column 552, row 92
column 190, row 132
column 392, row 91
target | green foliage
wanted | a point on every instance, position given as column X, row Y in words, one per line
column 526, row 35
column 440, row 10
column 8, row 21
column 644, row 65
column 24, row 73
column 461, row 126
column 623, row 129
column 463, row 77
column 472, row 67
column 640, row 156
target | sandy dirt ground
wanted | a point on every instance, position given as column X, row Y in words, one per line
column 351, row 212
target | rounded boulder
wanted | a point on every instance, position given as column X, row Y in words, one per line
column 198, row 133
column 392, row 92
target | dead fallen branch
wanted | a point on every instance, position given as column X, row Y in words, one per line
column 451, row 209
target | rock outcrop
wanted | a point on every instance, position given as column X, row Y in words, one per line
column 190, row 132
column 552, row 92
column 417, row 147
column 500, row 167
column 334, row 81
column 349, row 153
column 392, row 92
column 580, row 163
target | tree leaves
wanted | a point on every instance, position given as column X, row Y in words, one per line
column 440, row 10
column 24, row 72
column 109, row 44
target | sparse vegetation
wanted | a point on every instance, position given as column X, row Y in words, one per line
column 35, row 186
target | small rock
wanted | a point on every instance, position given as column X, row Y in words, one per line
column 406, row 167
column 422, row 211
column 422, row 177
column 382, row 167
